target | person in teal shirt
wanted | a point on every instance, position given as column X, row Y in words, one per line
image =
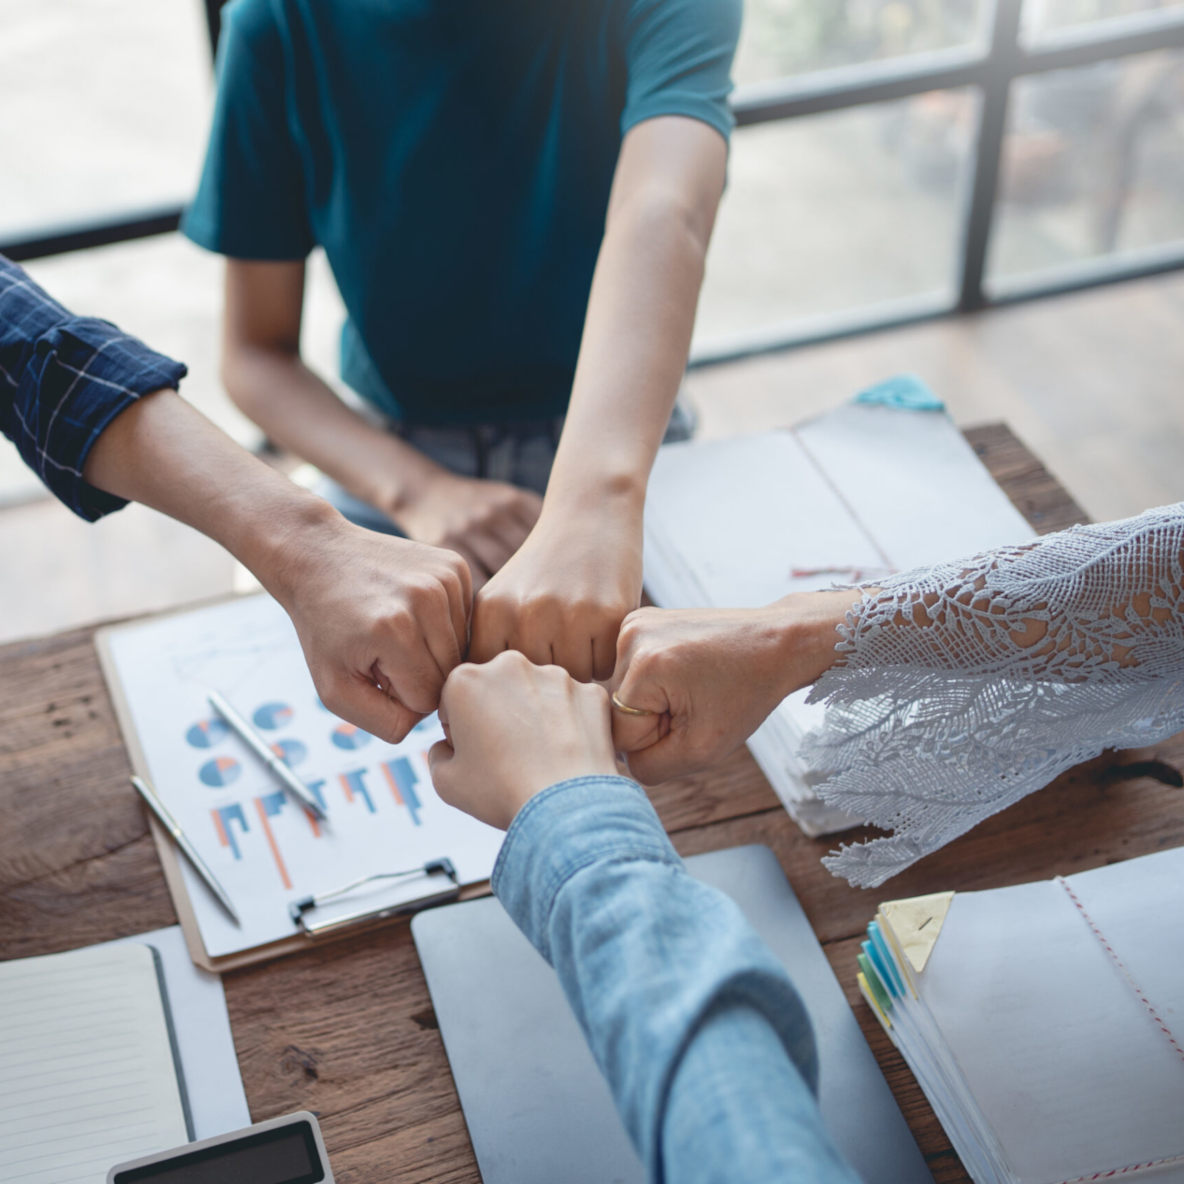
column 516, row 200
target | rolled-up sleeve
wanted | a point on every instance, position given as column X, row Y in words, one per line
column 63, row 380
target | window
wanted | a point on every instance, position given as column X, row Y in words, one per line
column 901, row 158
column 90, row 137
column 1092, row 176
column 893, row 158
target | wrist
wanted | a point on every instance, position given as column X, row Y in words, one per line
column 806, row 625
column 396, row 478
column 620, row 493
column 289, row 540
column 609, row 505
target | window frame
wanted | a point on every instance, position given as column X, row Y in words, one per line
column 989, row 67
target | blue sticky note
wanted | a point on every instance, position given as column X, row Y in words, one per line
column 905, row 392
column 883, row 960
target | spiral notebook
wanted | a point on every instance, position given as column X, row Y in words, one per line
column 1045, row 1021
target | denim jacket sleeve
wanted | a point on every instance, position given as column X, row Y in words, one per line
column 63, row 379
column 704, row 1041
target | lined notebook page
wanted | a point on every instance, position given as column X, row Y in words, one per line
column 87, row 1077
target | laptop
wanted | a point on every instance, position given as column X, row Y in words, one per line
column 537, row 1108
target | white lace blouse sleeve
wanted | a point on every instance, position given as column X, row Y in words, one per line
column 963, row 687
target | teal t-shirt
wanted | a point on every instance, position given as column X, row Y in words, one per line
column 454, row 159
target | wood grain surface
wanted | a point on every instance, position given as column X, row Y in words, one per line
column 347, row 1030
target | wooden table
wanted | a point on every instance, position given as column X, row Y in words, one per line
column 347, row 1030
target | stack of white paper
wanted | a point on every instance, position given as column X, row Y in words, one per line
column 1045, row 1022
column 861, row 492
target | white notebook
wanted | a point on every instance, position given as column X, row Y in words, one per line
column 88, row 1073
column 1045, row 1021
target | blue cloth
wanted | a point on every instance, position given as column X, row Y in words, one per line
column 704, row 1042
column 454, row 159
column 905, row 392
column 64, row 379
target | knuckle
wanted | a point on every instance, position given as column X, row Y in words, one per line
column 420, row 594
column 399, row 622
column 511, row 662
column 464, row 678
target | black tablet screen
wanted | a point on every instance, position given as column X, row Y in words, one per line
column 286, row 1155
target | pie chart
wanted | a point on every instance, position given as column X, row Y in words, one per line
column 222, row 770
column 350, row 736
column 291, row 752
column 206, row 733
column 271, row 716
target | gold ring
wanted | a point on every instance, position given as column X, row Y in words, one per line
column 629, row 710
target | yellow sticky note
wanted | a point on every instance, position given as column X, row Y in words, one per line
column 916, row 924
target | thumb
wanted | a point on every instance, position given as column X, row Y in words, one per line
column 659, row 761
column 375, row 711
column 440, row 759
column 641, row 711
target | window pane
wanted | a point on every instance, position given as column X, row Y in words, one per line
column 1093, row 166
column 105, row 108
column 781, row 37
column 1045, row 17
column 832, row 213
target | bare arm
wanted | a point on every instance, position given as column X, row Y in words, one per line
column 382, row 620
column 563, row 596
column 484, row 521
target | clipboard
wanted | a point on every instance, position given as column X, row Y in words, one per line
column 170, row 857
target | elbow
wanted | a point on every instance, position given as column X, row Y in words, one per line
column 663, row 213
column 235, row 378
column 246, row 374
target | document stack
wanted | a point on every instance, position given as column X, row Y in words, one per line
column 1044, row 1022
column 881, row 485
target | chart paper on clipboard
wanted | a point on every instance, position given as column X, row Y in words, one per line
column 267, row 852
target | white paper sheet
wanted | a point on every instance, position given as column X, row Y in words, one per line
column 87, row 1076
column 384, row 815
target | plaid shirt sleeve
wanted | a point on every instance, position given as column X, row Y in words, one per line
column 63, row 379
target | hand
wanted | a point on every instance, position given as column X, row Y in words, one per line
column 562, row 597
column 382, row 621
column 483, row 521
column 515, row 729
column 710, row 677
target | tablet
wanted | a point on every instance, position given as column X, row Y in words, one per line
column 287, row 1150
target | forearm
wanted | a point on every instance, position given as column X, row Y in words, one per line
column 633, row 355
column 739, row 1110
column 163, row 453
column 641, row 310
column 651, row 960
column 302, row 414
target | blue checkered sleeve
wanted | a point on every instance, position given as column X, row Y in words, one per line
column 63, row 379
